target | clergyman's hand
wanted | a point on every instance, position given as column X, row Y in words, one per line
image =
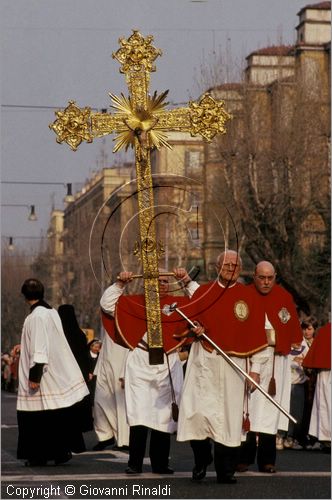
column 198, row 330
column 256, row 378
column 298, row 360
column 124, row 278
column 34, row 385
column 182, row 275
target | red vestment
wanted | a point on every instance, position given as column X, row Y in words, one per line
column 231, row 316
column 279, row 306
column 319, row 354
column 109, row 325
column 130, row 321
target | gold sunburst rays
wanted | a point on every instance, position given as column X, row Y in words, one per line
column 139, row 120
column 159, row 139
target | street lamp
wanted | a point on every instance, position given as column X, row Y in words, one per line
column 69, row 196
column 11, row 245
column 32, row 215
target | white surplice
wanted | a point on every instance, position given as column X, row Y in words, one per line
column 320, row 422
column 43, row 341
column 212, row 398
column 264, row 416
column 148, row 390
column 109, row 403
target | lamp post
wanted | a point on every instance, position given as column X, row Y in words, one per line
column 32, row 214
column 11, row 240
column 69, row 196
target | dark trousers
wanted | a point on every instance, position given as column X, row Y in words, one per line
column 309, row 391
column 49, row 434
column 265, row 451
column 296, row 409
column 225, row 457
column 160, row 443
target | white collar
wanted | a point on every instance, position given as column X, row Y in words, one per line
column 223, row 286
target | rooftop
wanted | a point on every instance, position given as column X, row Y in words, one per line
column 274, row 50
column 317, row 6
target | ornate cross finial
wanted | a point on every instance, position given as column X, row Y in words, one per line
column 73, row 125
column 137, row 52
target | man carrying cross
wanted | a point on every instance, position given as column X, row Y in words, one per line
column 149, row 389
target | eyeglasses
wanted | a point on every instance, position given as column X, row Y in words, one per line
column 229, row 265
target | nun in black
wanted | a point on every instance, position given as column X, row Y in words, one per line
column 77, row 341
column 94, row 347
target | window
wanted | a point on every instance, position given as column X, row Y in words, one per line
column 193, row 163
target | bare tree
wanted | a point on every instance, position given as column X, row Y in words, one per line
column 274, row 175
column 15, row 268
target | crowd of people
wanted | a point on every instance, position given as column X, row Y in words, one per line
column 9, row 369
column 242, row 376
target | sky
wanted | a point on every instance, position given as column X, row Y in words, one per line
column 54, row 51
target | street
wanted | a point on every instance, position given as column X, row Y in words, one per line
column 94, row 475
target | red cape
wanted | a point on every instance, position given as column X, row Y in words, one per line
column 319, row 354
column 109, row 325
column 281, row 311
column 130, row 321
column 230, row 317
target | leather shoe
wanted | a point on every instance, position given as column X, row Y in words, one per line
column 268, row 468
column 166, row 470
column 103, row 444
column 62, row 460
column 121, row 448
column 227, row 479
column 198, row 474
column 35, row 463
column 132, row 470
column 242, row 467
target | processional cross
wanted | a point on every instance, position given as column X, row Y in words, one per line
column 140, row 121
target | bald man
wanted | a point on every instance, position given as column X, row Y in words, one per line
column 213, row 393
column 271, row 369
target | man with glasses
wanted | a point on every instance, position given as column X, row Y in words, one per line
column 271, row 369
column 149, row 389
column 212, row 401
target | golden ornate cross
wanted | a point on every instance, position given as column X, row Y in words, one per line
column 140, row 121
